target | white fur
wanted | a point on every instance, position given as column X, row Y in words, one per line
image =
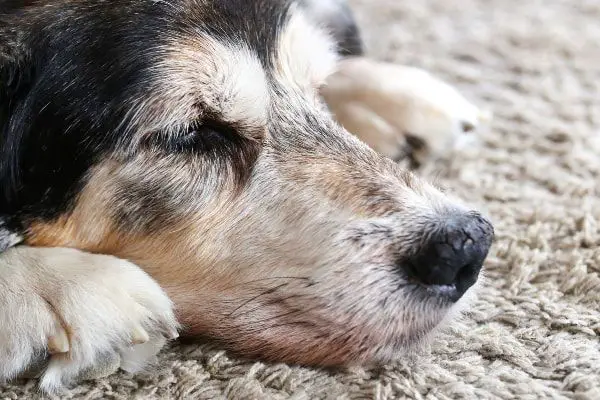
column 225, row 78
column 99, row 300
column 306, row 55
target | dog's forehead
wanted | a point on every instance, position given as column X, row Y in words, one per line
column 201, row 75
column 233, row 74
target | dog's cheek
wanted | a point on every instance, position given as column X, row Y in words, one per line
column 119, row 206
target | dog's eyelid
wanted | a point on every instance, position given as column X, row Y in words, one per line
column 215, row 125
column 230, row 130
column 193, row 136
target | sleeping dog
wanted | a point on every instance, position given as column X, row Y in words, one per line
column 203, row 141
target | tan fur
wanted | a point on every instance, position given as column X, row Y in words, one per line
column 296, row 257
column 237, row 271
column 201, row 70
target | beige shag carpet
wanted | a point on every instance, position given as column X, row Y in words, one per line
column 535, row 331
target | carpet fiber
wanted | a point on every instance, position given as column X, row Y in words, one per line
column 534, row 332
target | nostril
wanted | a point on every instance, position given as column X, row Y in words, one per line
column 457, row 238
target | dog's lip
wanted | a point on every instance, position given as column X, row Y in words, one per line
column 442, row 290
column 449, row 293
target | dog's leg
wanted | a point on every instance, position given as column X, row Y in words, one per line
column 397, row 110
column 400, row 111
column 75, row 315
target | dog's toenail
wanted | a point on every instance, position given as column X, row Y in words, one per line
column 58, row 343
column 139, row 335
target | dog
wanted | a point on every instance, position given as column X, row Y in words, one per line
column 184, row 167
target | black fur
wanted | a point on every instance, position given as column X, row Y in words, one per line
column 69, row 72
column 336, row 16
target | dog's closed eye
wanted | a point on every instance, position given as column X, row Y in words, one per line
column 197, row 138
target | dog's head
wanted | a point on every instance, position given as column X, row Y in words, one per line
column 189, row 137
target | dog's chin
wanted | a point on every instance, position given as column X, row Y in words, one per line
column 342, row 336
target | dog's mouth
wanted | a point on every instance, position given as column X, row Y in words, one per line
column 449, row 292
column 444, row 295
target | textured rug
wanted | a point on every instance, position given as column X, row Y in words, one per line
column 535, row 331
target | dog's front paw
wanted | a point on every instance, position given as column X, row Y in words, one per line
column 400, row 111
column 76, row 315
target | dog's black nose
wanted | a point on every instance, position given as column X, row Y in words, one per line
column 452, row 258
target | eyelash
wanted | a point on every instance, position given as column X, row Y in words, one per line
column 198, row 138
column 186, row 137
